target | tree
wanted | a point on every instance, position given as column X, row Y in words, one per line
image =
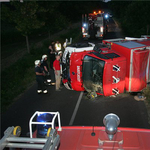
column 25, row 16
column 54, row 19
column 133, row 16
column 138, row 18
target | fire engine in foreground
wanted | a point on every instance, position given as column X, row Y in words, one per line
column 94, row 25
column 48, row 137
column 108, row 68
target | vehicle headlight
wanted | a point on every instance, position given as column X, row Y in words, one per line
column 84, row 25
column 106, row 16
column 83, row 30
column 101, row 29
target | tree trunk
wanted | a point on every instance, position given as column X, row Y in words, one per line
column 27, row 42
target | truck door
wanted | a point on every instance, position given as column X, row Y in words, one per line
column 92, row 74
column 139, row 70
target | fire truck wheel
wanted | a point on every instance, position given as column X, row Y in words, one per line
column 48, row 132
column 17, row 131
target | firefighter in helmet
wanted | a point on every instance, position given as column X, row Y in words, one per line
column 44, row 64
column 40, row 77
column 60, row 54
column 51, row 53
column 46, row 69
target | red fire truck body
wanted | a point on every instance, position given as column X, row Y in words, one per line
column 76, row 74
column 48, row 137
column 122, row 65
column 105, row 78
column 137, row 64
column 75, row 70
column 76, row 67
column 110, row 85
column 147, row 42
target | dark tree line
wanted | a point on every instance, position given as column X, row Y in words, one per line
column 51, row 16
column 29, row 16
column 134, row 16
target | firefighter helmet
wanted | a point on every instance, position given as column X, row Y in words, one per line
column 44, row 56
column 37, row 62
column 60, row 52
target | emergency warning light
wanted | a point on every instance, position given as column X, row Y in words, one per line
column 44, row 122
column 111, row 122
column 84, row 25
column 43, row 128
column 106, row 16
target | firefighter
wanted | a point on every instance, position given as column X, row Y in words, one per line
column 51, row 52
column 44, row 64
column 40, row 77
column 46, row 69
column 56, row 66
column 57, row 46
column 61, row 66
column 60, row 54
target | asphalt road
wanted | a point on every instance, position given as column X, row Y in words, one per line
column 74, row 107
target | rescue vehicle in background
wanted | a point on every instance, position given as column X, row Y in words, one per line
column 94, row 24
column 108, row 68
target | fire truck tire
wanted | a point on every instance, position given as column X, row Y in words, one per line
column 48, row 132
column 17, row 131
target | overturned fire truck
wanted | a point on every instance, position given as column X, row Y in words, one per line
column 108, row 68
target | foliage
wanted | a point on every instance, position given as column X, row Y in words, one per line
column 24, row 15
column 74, row 10
column 146, row 92
column 14, row 79
column 9, row 34
column 133, row 16
column 54, row 20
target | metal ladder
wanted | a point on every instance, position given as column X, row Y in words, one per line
column 13, row 141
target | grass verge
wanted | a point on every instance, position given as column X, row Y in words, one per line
column 146, row 92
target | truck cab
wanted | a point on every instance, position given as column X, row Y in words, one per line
column 98, row 70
